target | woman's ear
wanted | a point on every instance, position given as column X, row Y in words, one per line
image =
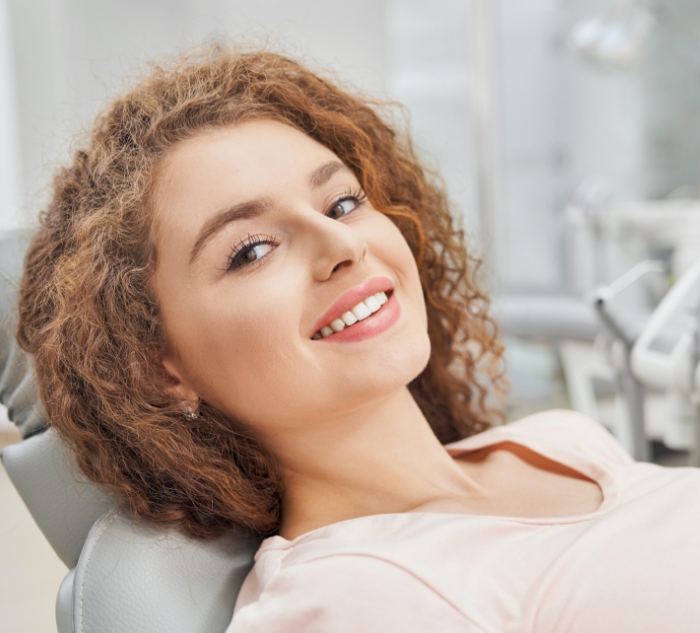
column 180, row 387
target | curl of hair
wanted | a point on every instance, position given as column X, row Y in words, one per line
column 88, row 315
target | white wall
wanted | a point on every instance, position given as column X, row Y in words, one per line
column 427, row 69
column 536, row 144
column 607, row 114
column 72, row 54
column 671, row 108
column 10, row 160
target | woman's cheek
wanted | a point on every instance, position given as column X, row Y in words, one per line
column 254, row 357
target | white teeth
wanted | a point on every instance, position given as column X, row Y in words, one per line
column 372, row 304
column 349, row 318
column 337, row 325
column 361, row 311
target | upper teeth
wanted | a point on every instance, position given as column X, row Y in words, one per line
column 359, row 313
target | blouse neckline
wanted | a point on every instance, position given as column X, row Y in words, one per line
column 496, row 435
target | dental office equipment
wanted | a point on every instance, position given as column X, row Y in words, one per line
column 615, row 39
column 667, row 355
column 668, row 229
column 671, row 223
column 619, row 333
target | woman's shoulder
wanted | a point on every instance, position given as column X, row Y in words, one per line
column 558, row 429
column 337, row 593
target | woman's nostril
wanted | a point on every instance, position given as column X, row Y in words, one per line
column 345, row 262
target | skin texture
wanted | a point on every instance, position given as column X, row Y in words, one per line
column 236, row 334
column 348, row 436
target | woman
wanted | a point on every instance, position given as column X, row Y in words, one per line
column 251, row 309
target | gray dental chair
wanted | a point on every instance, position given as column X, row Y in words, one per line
column 124, row 577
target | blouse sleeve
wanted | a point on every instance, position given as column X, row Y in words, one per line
column 577, row 432
column 347, row 594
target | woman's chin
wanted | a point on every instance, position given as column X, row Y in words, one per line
column 391, row 369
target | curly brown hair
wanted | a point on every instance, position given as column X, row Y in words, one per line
column 88, row 314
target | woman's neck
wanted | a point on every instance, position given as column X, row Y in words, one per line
column 383, row 458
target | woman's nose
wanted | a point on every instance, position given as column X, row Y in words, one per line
column 336, row 246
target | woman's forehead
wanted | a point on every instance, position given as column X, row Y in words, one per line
column 248, row 141
column 238, row 161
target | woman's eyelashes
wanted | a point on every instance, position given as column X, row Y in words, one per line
column 255, row 248
column 347, row 203
column 250, row 251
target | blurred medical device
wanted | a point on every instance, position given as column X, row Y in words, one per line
column 630, row 349
column 615, row 39
column 651, row 353
column 666, row 355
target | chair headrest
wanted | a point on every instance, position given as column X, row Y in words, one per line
column 63, row 503
column 17, row 386
column 142, row 577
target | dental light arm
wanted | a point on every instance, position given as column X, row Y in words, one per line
column 620, row 330
column 666, row 355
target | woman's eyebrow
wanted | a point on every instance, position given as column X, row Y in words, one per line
column 255, row 208
column 324, row 173
column 242, row 211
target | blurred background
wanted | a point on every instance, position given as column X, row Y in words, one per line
column 566, row 130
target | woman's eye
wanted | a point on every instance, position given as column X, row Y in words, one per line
column 343, row 207
column 250, row 254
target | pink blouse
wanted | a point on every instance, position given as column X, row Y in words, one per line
column 632, row 566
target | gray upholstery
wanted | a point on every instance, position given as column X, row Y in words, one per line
column 141, row 578
column 17, row 390
column 64, row 604
column 64, row 505
column 127, row 576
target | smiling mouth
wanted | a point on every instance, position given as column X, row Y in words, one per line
column 363, row 310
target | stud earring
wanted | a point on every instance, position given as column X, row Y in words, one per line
column 191, row 414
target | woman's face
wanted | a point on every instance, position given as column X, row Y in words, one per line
column 264, row 238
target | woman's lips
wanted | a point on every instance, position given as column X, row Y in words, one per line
column 381, row 320
column 351, row 298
